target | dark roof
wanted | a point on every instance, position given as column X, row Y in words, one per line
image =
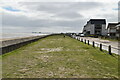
column 97, row 21
column 112, row 25
column 118, row 24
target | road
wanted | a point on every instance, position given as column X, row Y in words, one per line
column 114, row 44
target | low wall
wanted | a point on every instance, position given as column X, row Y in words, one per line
column 10, row 45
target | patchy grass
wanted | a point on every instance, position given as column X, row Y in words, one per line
column 59, row 57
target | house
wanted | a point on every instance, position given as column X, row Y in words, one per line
column 118, row 30
column 112, row 30
column 95, row 27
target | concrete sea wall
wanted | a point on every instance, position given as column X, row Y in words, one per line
column 10, row 45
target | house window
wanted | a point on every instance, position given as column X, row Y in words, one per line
column 113, row 30
column 98, row 32
column 112, row 34
column 98, row 26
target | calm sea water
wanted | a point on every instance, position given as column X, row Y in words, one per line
column 18, row 35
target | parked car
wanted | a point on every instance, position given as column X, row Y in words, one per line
column 82, row 35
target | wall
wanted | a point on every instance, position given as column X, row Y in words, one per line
column 89, row 27
column 10, row 45
column 92, row 28
column 104, row 30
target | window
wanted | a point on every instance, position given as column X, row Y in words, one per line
column 98, row 26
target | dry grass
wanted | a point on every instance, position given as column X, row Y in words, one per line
column 59, row 57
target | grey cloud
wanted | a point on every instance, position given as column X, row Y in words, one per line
column 110, row 17
column 69, row 14
column 62, row 6
column 119, row 11
column 27, row 23
column 12, row 20
column 64, row 10
column 74, row 23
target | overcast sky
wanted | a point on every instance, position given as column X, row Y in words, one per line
column 54, row 16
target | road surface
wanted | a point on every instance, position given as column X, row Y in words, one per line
column 114, row 44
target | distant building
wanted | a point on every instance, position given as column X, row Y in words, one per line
column 118, row 30
column 95, row 27
column 112, row 30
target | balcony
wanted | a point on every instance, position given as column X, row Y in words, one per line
column 112, row 31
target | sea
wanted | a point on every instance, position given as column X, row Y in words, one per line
column 19, row 35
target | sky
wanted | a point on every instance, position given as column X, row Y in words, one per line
column 54, row 15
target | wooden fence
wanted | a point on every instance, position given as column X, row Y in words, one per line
column 99, row 45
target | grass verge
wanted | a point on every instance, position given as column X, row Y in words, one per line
column 59, row 57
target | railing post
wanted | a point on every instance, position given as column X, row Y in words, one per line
column 81, row 40
column 100, row 47
column 88, row 42
column 109, row 50
column 85, row 41
column 93, row 44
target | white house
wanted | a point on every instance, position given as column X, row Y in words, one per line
column 95, row 27
column 118, row 30
column 112, row 30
